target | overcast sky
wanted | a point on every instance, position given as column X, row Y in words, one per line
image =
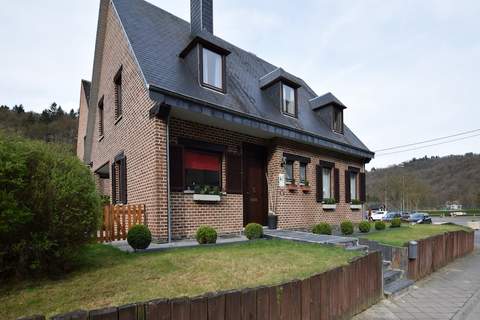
column 407, row 70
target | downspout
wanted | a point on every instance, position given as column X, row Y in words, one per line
column 169, row 212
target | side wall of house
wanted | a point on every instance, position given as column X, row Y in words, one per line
column 82, row 123
column 296, row 210
column 140, row 138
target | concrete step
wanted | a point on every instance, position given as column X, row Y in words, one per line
column 397, row 287
column 390, row 276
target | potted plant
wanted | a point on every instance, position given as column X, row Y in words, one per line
column 291, row 186
column 207, row 194
column 356, row 204
column 329, row 204
column 272, row 220
column 305, row 186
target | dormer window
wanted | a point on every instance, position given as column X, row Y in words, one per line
column 289, row 103
column 338, row 120
column 212, row 69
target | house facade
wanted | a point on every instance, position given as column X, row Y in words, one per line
column 204, row 133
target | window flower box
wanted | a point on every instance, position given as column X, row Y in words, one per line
column 356, row 206
column 305, row 189
column 328, row 206
column 291, row 187
column 206, row 197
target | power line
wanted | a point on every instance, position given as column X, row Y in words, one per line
column 431, row 140
column 430, row 145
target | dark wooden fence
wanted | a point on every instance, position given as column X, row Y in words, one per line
column 436, row 252
column 118, row 219
column 336, row 294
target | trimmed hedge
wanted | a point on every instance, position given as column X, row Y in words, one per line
column 364, row 227
column 49, row 207
column 396, row 223
column 322, row 228
column 346, row 227
column 139, row 237
column 253, row 231
column 206, row 235
column 380, row 225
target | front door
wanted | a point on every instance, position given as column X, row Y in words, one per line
column 255, row 197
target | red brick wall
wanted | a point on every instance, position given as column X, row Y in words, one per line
column 141, row 139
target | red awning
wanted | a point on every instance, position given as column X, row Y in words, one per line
column 202, row 161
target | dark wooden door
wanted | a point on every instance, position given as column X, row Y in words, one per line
column 255, row 196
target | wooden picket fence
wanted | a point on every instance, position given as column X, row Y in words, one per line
column 118, row 219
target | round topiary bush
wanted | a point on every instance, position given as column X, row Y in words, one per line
column 322, row 228
column 380, row 225
column 253, row 231
column 206, row 235
column 49, row 207
column 139, row 237
column 346, row 227
column 396, row 223
column 364, row 227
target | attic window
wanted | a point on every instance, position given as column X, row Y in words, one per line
column 212, row 69
column 338, row 120
column 117, row 80
column 289, row 103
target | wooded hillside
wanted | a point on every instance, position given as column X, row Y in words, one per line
column 427, row 183
column 52, row 125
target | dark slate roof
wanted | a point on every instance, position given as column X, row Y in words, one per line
column 279, row 74
column 325, row 100
column 157, row 39
column 86, row 88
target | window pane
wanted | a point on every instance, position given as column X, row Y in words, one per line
column 303, row 172
column 202, row 168
column 289, row 171
column 326, row 183
column 288, row 99
column 212, row 69
column 353, row 186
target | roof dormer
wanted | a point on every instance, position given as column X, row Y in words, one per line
column 330, row 109
column 282, row 88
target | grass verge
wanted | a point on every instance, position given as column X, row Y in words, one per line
column 400, row 236
column 108, row 277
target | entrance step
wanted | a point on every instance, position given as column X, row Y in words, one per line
column 390, row 276
column 397, row 287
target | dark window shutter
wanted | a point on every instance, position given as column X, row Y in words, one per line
column 347, row 187
column 319, row 184
column 363, row 191
column 176, row 168
column 123, row 180
column 114, row 184
column 336, row 184
column 234, row 173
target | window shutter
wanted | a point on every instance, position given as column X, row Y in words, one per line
column 114, row 183
column 123, row 180
column 347, row 187
column 363, row 187
column 176, row 168
column 234, row 173
column 319, row 184
column 336, row 184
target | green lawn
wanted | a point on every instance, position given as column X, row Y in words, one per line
column 400, row 236
column 109, row 277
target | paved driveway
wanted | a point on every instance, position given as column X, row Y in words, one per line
column 451, row 293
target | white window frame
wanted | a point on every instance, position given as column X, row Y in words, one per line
column 284, row 101
column 205, row 53
column 327, row 182
column 353, row 186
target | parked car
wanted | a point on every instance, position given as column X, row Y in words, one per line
column 377, row 215
column 420, row 218
column 458, row 213
column 391, row 215
column 405, row 215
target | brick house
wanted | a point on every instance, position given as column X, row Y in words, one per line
column 205, row 133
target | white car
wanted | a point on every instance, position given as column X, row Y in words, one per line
column 458, row 213
column 378, row 215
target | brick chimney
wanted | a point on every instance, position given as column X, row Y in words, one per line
column 201, row 12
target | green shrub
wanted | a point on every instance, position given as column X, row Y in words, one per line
column 364, row 227
column 356, row 201
column 253, row 231
column 396, row 223
column 329, row 201
column 346, row 227
column 380, row 225
column 49, row 207
column 206, row 234
column 139, row 237
column 322, row 228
